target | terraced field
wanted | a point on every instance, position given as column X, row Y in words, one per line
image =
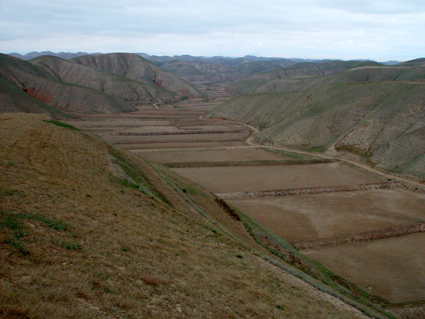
column 362, row 226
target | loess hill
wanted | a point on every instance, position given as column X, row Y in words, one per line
column 375, row 112
column 86, row 84
column 87, row 231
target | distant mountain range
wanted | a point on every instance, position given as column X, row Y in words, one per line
column 186, row 58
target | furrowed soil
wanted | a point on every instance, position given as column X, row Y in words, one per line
column 335, row 214
column 259, row 178
column 209, row 155
column 392, row 268
column 351, row 232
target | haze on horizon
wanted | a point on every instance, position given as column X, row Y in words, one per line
column 378, row 30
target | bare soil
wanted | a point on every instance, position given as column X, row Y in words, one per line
column 255, row 178
column 392, row 268
column 335, row 214
column 179, row 145
column 211, row 155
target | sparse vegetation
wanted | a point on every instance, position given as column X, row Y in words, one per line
column 127, row 238
column 60, row 124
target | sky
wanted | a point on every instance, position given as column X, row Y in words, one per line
column 379, row 30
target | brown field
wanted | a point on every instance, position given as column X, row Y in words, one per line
column 116, row 123
column 208, row 155
column 179, row 145
column 391, row 268
column 124, row 139
column 334, row 214
column 255, row 178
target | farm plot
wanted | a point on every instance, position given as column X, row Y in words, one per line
column 119, row 123
column 258, row 178
column 172, row 138
column 392, row 268
column 209, row 155
column 179, row 145
column 307, row 217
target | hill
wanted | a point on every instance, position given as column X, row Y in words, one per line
column 90, row 231
column 199, row 71
column 136, row 68
column 297, row 76
column 13, row 99
column 129, row 90
column 51, row 91
column 414, row 62
column 257, row 67
column 311, row 75
column 382, row 122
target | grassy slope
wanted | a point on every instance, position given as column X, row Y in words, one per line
column 90, row 232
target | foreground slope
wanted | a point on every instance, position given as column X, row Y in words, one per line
column 382, row 122
column 90, row 232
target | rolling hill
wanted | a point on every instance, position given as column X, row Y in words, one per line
column 310, row 75
column 105, row 85
column 138, row 69
column 50, row 91
column 127, row 89
column 199, row 71
column 383, row 122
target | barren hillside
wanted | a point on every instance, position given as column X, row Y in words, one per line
column 50, row 90
column 383, row 122
column 139, row 69
column 127, row 89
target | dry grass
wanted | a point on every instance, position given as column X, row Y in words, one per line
column 124, row 252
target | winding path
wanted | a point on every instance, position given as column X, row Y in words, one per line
column 386, row 175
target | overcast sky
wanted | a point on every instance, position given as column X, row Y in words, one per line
column 379, row 30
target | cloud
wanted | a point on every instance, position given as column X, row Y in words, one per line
column 340, row 28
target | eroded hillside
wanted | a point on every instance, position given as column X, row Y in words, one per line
column 52, row 92
column 88, row 231
column 383, row 122
column 139, row 69
column 110, row 83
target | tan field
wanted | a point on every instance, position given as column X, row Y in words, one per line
column 208, row 155
column 179, row 145
column 335, row 214
column 256, row 178
column 391, row 268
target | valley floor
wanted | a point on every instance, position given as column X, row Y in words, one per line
column 367, row 228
